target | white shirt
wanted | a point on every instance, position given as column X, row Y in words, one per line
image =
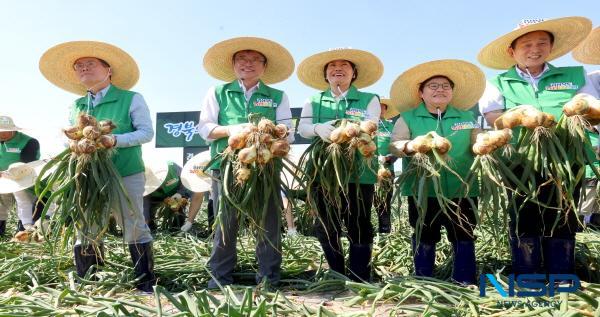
column 492, row 99
column 209, row 112
column 306, row 128
column 595, row 79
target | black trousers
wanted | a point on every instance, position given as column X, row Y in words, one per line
column 459, row 222
column 355, row 214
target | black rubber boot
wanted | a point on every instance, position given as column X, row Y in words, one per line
column 465, row 269
column 143, row 264
column 526, row 255
column 20, row 227
column 334, row 256
column 86, row 257
column 2, row 227
column 559, row 255
column 360, row 258
column 424, row 258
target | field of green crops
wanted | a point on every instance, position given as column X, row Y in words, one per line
column 35, row 282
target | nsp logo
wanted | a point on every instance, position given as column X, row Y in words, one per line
column 532, row 284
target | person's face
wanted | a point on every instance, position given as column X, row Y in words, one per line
column 248, row 65
column 531, row 49
column 339, row 73
column 437, row 91
column 6, row 135
column 91, row 71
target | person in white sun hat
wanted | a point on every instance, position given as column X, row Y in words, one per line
column 247, row 64
column 529, row 79
column 16, row 146
column 101, row 74
column 338, row 73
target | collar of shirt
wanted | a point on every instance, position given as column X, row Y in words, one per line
column 340, row 96
column 248, row 92
column 525, row 75
column 96, row 98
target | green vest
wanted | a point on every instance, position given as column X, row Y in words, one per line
column 353, row 107
column 384, row 135
column 234, row 109
column 115, row 106
column 457, row 126
column 170, row 185
column 10, row 151
column 588, row 169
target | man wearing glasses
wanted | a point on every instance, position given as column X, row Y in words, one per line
column 102, row 74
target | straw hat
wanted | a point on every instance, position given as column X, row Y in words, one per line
column 588, row 51
column 218, row 59
column 469, row 83
column 391, row 111
column 20, row 176
column 57, row 64
column 567, row 32
column 369, row 67
column 192, row 176
column 155, row 173
column 7, row 124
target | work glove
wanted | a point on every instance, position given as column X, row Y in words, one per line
column 236, row 128
column 323, row 130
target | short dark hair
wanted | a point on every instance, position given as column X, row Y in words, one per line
column 354, row 71
column 422, row 84
column 514, row 43
column 261, row 54
column 103, row 62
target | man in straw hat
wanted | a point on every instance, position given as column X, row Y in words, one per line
column 102, row 74
column 588, row 52
column 337, row 74
column 531, row 80
column 16, row 146
column 436, row 96
column 247, row 64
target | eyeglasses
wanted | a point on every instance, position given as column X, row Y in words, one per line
column 436, row 86
column 251, row 61
column 89, row 65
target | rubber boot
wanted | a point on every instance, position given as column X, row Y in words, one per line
column 360, row 258
column 86, row 257
column 464, row 271
column 559, row 255
column 424, row 258
column 334, row 256
column 2, row 227
column 143, row 264
column 526, row 255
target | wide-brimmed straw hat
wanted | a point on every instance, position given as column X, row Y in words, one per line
column 7, row 124
column 468, row 79
column 567, row 32
column 155, row 172
column 192, row 175
column 391, row 110
column 20, row 176
column 57, row 64
column 588, row 51
column 218, row 60
column 369, row 67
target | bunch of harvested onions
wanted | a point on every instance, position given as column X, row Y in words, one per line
column 489, row 141
column 526, row 116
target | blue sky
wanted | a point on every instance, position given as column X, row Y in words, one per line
column 169, row 38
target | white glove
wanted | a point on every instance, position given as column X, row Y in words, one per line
column 323, row 130
column 381, row 159
column 186, row 226
column 291, row 232
column 236, row 128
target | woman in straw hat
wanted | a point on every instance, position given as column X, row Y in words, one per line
column 16, row 146
column 588, row 52
column 338, row 73
column 383, row 204
column 436, row 96
column 531, row 80
column 102, row 74
column 247, row 64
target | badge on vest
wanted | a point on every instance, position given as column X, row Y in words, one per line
column 356, row 112
column 171, row 181
column 465, row 126
column 13, row 150
column 562, row 86
column 384, row 134
column 264, row 102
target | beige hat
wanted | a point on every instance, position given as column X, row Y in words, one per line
column 369, row 67
column 588, row 51
column 57, row 64
column 391, row 111
column 155, row 173
column 469, row 83
column 192, row 176
column 20, row 176
column 7, row 124
column 218, row 59
column 567, row 32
